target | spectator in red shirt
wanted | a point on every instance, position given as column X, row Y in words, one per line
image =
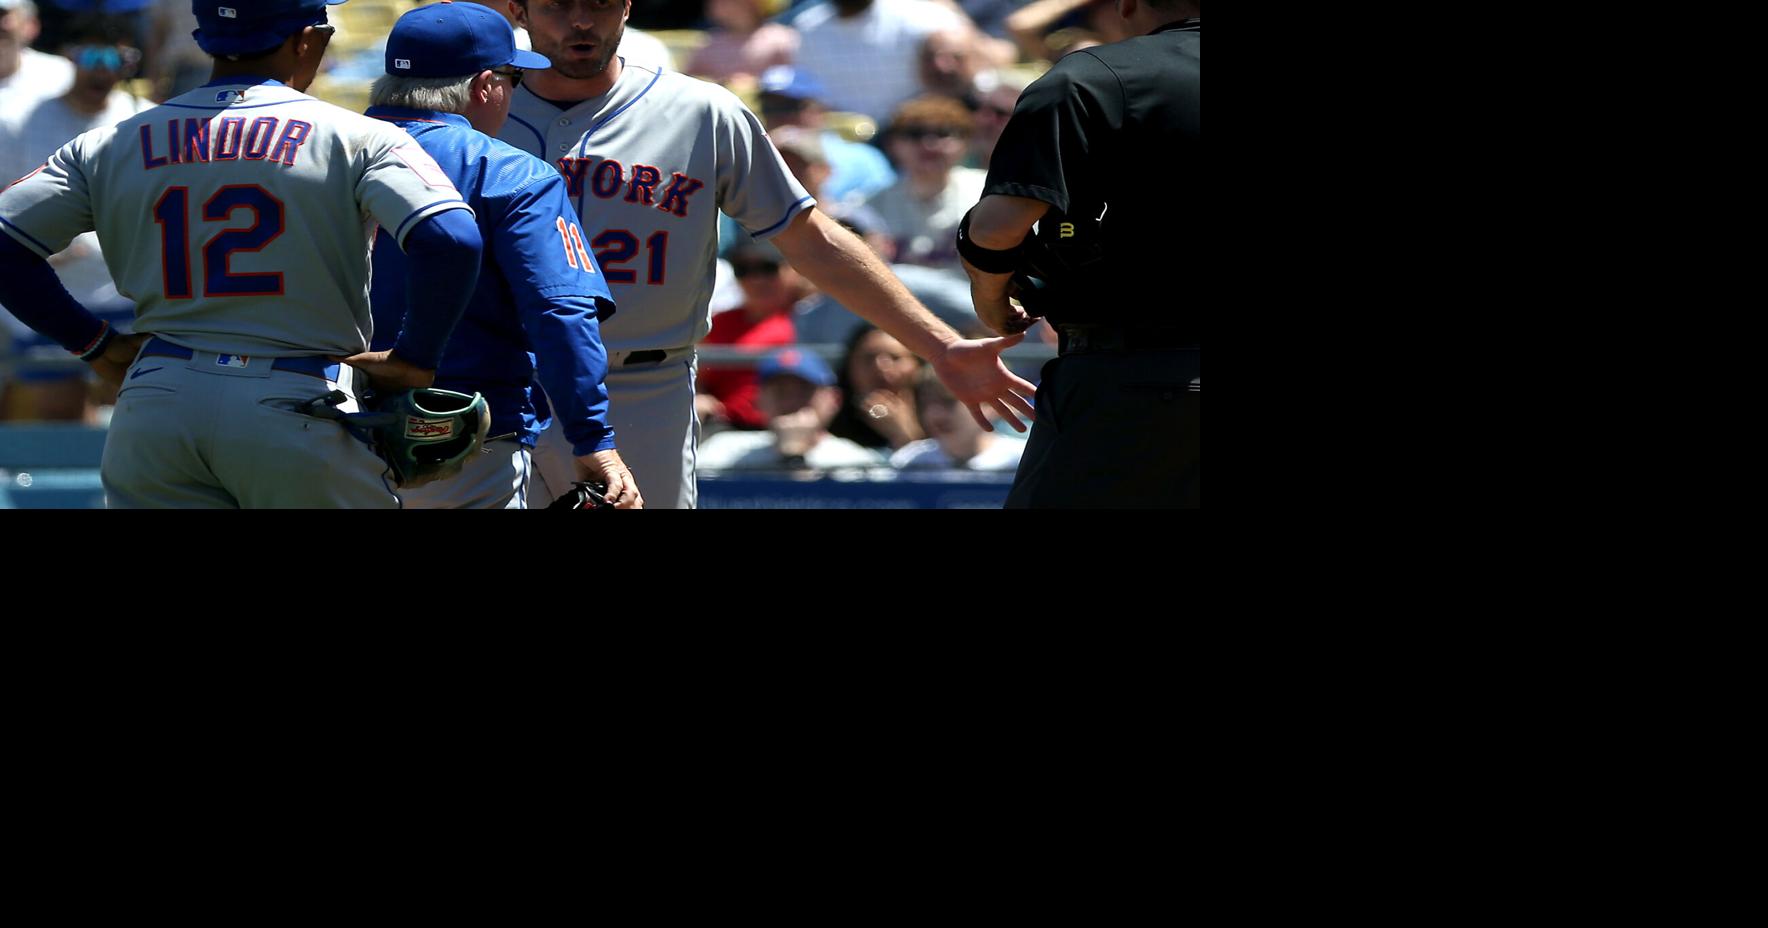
column 727, row 393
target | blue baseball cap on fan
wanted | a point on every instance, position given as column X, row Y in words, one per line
column 804, row 365
column 453, row 39
column 786, row 81
column 247, row 27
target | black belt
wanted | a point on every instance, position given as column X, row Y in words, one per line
column 1081, row 339
column 645, row 357
column 311, row 365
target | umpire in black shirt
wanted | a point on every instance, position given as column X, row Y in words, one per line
column 1101, row 154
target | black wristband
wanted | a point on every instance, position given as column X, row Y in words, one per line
column 986, row 260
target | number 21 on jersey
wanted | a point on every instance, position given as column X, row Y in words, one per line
column 615, row 247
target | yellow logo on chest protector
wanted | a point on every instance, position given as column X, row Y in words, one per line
column 1067, row 230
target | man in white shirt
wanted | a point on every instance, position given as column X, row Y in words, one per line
column 26, row 75
column 866, row 53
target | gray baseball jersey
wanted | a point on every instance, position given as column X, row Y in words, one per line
column 238, row 217
column 649, row 166
column 251, row 250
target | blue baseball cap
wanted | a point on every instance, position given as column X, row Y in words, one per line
column 452, row 39
column 787, row 81
column 246, row 27
column 804, row 365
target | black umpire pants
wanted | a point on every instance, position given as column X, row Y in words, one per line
column 1115, row 430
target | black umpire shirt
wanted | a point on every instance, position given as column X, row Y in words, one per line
column 1109, row 138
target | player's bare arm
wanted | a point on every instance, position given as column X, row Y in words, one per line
column 838, row 262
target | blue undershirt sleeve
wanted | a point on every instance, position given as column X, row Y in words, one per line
column 444, row 249
column 30, row 290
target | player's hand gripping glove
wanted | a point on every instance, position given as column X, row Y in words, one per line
column 583, row 495
column 424, row 435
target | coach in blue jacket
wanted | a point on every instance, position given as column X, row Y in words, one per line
column 450, row 70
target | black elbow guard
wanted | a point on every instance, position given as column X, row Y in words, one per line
column 983, row 259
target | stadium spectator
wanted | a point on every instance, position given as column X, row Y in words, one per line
column 799, row 398
column 878, row 387
column 927, row 139
column 955, row 441
column 865, row 52
column 741, row 43
column 727, row 393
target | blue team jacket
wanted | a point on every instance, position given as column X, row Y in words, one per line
column 540, row 296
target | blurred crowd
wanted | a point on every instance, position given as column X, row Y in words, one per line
column 886, row 110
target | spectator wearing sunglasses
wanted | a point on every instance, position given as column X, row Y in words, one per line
column 996, row 93
column 928, row 137
column 48, row 384
column 726, row 394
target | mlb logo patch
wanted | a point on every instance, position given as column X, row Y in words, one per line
column 428, row 429
column 403, row 63
column 227, row 12
column 226, row 96
column 233, row 360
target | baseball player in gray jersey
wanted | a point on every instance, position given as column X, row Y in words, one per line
column 650, row 159
column 238, row 216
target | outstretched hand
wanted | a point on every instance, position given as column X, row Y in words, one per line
column 973, row 371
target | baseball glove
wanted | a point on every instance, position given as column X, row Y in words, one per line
column 423, row 435
column 584, row 496
column 433, row 434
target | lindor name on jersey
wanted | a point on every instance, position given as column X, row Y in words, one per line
column 607, row 177
column 209, row 139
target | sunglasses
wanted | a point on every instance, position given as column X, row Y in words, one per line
column 750, row 270
column 513, row 74
column 921, row 134
column 325, row 29
column 104, row 57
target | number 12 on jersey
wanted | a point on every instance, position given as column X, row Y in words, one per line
column 172, row 214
